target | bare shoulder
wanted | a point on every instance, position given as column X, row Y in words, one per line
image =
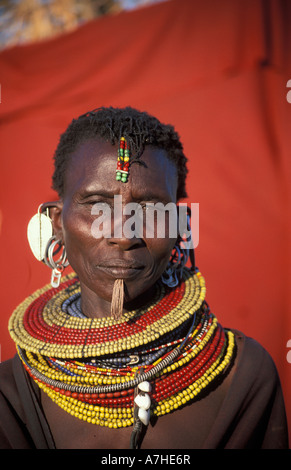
column 253, row 360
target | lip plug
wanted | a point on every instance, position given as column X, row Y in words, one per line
column 117, row 299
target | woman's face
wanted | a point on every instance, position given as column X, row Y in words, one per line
column 99, row 261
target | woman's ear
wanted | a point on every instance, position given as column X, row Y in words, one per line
column 54, row 210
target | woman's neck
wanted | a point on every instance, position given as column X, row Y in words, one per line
column 94, row 306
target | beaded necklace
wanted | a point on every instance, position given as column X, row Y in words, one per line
column 118, row 373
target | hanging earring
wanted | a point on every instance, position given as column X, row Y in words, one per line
column 44, row 245
column 174, row 270
column 39, row 231
column 53, row 248
column 179, row 258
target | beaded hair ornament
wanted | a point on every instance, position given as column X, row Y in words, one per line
column 123, row 161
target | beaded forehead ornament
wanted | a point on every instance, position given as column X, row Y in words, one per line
column 151, row 362
column 123, row 161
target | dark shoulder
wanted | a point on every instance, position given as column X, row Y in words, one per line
column 6, row 374
column 254, row 362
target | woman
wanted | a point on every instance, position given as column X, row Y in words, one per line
column 126, row 352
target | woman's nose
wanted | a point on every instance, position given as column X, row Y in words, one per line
column 127, row 227
column 125, row 243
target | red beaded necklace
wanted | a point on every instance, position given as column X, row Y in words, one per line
column 92, row 368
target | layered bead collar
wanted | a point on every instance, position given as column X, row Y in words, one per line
column 120, row 373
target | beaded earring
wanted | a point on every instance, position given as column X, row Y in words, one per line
column 122, row 161
column 179, row 258
column 174, row 270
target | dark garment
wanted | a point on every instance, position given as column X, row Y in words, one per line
column 252, row 415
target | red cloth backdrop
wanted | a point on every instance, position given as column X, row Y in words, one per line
column 219, row 72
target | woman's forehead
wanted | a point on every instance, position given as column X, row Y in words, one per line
column 93, row 165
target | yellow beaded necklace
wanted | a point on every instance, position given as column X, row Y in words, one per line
column 92, row 368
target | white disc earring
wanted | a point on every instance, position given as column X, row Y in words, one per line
column 44, row 246
column 39, row 231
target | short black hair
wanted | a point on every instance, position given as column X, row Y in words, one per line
column 108, row 123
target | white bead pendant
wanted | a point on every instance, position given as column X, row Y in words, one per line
column 145, row 386
column 143, row 401
column 144, row 416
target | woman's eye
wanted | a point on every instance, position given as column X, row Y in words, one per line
column 98, row 203
column 100, row 207
column 93, row 203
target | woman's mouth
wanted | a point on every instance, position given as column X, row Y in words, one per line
column 121, row 269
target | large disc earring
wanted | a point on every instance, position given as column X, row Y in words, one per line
column 39, row 232
column 56, row 260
